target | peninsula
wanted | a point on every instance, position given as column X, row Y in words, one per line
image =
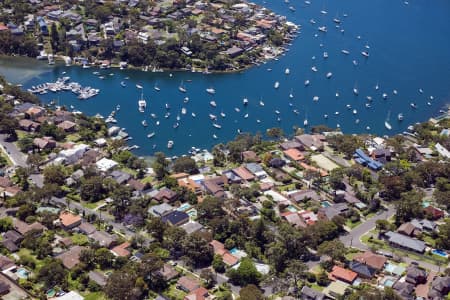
column 209, row 35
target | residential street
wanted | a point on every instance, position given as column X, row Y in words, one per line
column 353, row 238
column 14, row 154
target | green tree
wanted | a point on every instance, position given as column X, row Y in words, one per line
column 409, row 206
column 91, row 189
column 251, row 292
column 185, row 164
column 54, row 174
column 160, row 165
column 335, row 249
column 245, row 274
column 197, row 249
column 121, row 285
column 443, row 240
column 53, row 274
column 218, row 264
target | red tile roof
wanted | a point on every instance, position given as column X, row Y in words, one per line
column 343, row 274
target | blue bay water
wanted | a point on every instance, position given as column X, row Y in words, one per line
column 409, row 49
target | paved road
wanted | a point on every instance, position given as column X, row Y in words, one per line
column 353, row 238
column 14, row 154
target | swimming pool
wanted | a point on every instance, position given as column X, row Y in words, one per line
column 22, row 273
column 192, row 213
column 388, row 282
column 439, row 252
column 291, row 208
column 234, row 250
column 184, row 207
column 326, row 204
column 425, row 204
column 394, row 269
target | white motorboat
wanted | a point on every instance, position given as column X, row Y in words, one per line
column 139, row 86
column 214, row 136
column 276, row 85
column 421, row 91
column 377, row 87
column 307, row 82
column 245, row 116
column 329, row 74
column 142, row 104
column 167, row 106
column 170, row 144
column 291, row 94
column 215, row 125
column 355, row 111
column 123, row 84
column 237, row 109
column 182, row 88
column 365, row 54
column 337, row 94
column 413, row 105
column 193, row 115
column 312, row 21
column 384, row 96
column 156, row 88
column 183, row 111
column 211, row 91
column 245, row 101
column 395, row 92
column 157, row 123
column 261, row 103
column 144, row 123
column 325, row 55
column 150, row 135
column 355, row 91
column 287, row 71
column 314, row 68
column 316, row 98
column 213, row 103
column 212, row 117
column 322, row 29
column 400, row 117
column 346, row 52
column 222, row 114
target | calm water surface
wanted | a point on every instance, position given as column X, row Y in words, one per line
column 408, row 45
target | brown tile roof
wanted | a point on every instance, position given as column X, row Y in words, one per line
column 294, row 154
column 168, row 272
column 121, row 250
column 371, row 259
column 136, row 185
column 243, row 173
column 188, row 284
column 5, row 182
column 199, row 294
column 71, row 258
column 23, row 227
column 67, row 125
column 68, row 219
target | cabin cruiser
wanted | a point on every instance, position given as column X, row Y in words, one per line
column 316, row 98
column 325, row 55
column 142, row 104
column 322, row 29
column 365, row 53
column 346, row 52
column 217, row 125
column 384, row 96
column 245, row 101
column 170, row 144
column 329, row 74
column 314, row 69
column 400, row 117
column 213, row 103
